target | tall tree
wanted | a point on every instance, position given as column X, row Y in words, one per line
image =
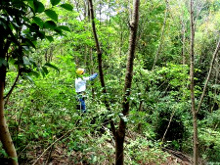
column 20, row 30
column 5, row 135
column 120, row 132
column 193, row 109
column 99, row 53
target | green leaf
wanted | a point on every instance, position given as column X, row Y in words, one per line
column 50, row 38
column 45, row 70
column 67, row 6
column 52, row 66
column 52, row 14
column 26, row 61
column 41, row 34
column 54, row 2
column 38, row 6
column 50, row 25
column 58, row 30
column 38, row 21
column 66, row 28
column 36, row 74
column 3, row 62
column 27, row 42
column 26, row 77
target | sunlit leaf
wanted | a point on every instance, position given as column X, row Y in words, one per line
column 52, row 66
column 54, row 2
column 66, row 28
column 38, row 6
column 52, row 14
column 38, row 21
column 67, row 7
column 45, row 70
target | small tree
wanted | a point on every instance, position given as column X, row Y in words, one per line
column 20, row 30
column 119, row 134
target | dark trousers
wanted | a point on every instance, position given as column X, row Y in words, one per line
column 82, row 104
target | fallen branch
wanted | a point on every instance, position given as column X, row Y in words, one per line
column 178, row 154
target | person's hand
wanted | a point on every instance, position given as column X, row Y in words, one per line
column 92, row 77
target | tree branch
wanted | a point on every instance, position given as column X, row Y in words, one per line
column 12, row 88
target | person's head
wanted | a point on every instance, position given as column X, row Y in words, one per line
column 80, row 71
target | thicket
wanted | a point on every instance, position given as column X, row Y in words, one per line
column 42, row 107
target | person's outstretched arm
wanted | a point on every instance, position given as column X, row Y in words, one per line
column 93, row 76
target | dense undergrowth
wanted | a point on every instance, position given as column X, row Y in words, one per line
column 44, row 110
column 41, row 112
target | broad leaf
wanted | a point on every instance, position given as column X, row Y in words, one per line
column 54, row 2
column 66, row 28
column 52, row 14
column 38, row 6
column 38, row 21
column 67, row 6
column 26, row 61
column 27, row 42
column 50, row 38
column 52, row 66
column 25, row 76
column 58, row 30
column 50, row 25
column 36, row 74
column 3, row 62
column 45, row 70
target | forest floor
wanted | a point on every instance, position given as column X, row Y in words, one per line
column 58, row 154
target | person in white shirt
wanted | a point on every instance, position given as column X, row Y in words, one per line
column 80, row 86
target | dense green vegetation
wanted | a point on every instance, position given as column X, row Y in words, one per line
column 55, row 37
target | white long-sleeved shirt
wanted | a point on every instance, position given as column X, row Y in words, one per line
column 80, row 84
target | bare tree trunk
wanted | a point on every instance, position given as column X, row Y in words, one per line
column 168, row 126
column 5, row 135
column 209, row 74
column 194, row 112
column 120, row 133
column 99, row 52
column 12, row 88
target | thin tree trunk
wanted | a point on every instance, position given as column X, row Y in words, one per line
column 194, row 112
column 12, row 88
column 120, row 133
column 5, row 136
column 168, row 126
column 99, row 52
column 101, row 76
column 209, row 75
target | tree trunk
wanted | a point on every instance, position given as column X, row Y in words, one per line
column 5, row 136
column 120, row 133
column 99, row 52
column 194, row 112
column 214, row 56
